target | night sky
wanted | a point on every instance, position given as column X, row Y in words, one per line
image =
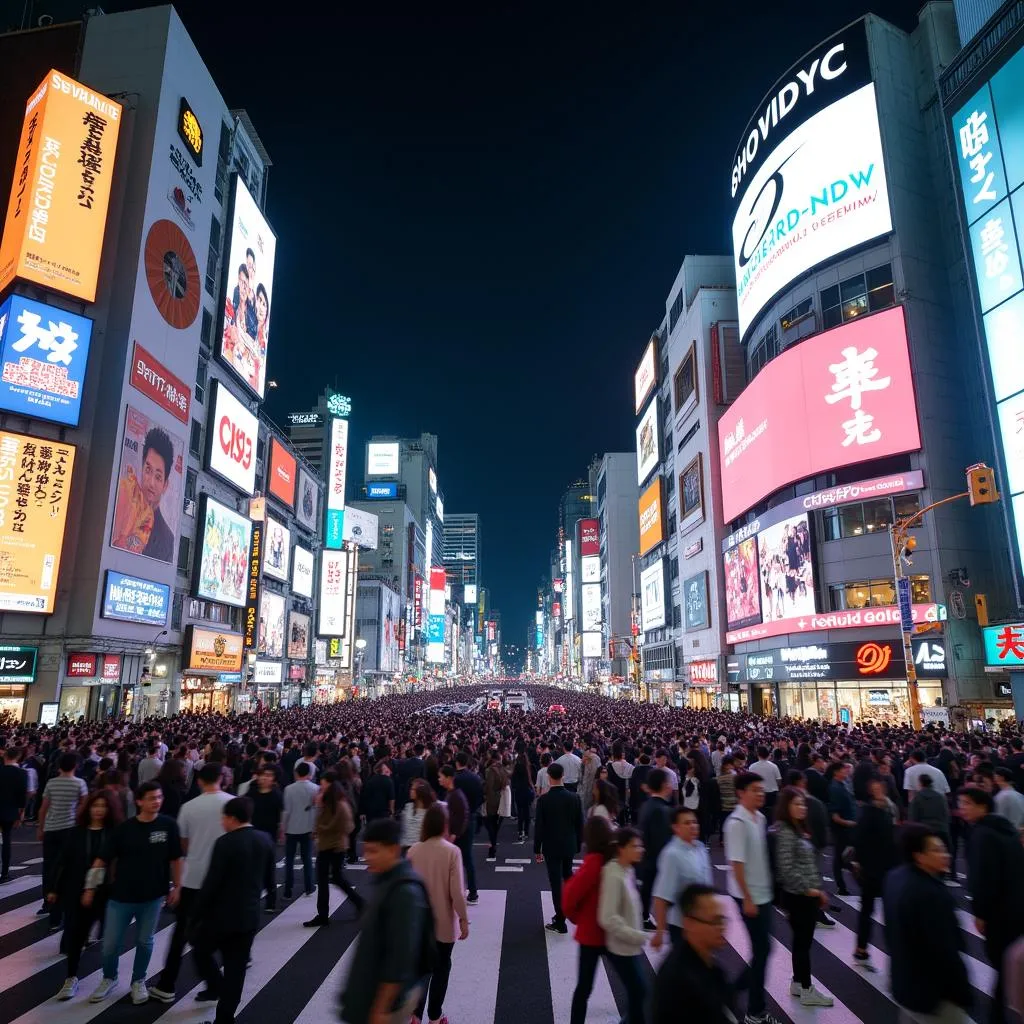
column 479, row 219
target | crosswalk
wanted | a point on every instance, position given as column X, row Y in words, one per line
column 510, row 968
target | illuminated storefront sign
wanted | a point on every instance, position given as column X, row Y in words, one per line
column 212, row 651
column 190, row 131
column 131, row 599
column 1004, row 645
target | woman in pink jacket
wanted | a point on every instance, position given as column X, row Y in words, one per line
column 439, row 863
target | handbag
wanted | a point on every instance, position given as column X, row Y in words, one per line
column 505, row 802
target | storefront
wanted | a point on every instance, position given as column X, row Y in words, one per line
column 267, row 677
column 92, row 686
column 17, row 670
column 203, row 694
column 703, row 683
column 998, row 708
column 213, row 667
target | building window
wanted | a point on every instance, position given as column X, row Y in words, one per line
column 190, row 484
column 677, row 615
column 674, row 569
column 880, row 593
column 685, row 382
column 863, row 518
column 195, row 439
column 797, row 315
column 676, row 311
column 213, row 258
column 176, row 604
column 858, row 295
column 184, row 555
column 202, row 373
column 672, row 524
column 766, row 349
column 206, row 331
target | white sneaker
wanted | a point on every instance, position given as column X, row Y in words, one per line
column 69, row 989
column 140, row 994
column 795, row 988
column 812, row 997
column 103, row 989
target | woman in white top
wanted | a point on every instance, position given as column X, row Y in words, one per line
column 604, row 802
column 619, row 913
column 421, row 796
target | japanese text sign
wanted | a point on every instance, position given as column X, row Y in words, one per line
column 18, row 664
column 1004, row 645
column 132, row 599
column 155, row 381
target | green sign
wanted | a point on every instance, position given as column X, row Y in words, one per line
column 339, row 405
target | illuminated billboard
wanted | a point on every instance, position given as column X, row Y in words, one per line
column 308, row 501
column 331, row 607
column 35, row 485
column 804, row 187
column 271, row 634
column 43, row 356
column 57, row 211
column 590, row 606
column 836, row 399
column 222, row 555
column 337, row 464
column 360, row 528
column 281, row 474
column 590, row 569
column 298, row 636
column 646, row 375
column 276, row 541
column 130, row 599
column 787, row 573
column 651, row 510
column 648, row 450
column 590, row 537
column 212, row 650
column 592, row 647
column 231, row 442
column 302, row 572
column 248, row 290
column 382, row 458
column 653, row 608
column 469, row 593
column 742, row 584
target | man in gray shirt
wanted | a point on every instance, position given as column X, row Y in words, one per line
column 57, row 814
column 1009, row 802
column 150, row 765
column 298, row 820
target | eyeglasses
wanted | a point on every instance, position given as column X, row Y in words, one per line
column 715, row 922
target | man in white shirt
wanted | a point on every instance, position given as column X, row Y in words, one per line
column 751, row 885
column 768, row 772
column 543, row 783
column 684, row 861
column 921, row 767
column 572, row 766
column 200, row 824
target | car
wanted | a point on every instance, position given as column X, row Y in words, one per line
column 556, row 709
column 494, row 705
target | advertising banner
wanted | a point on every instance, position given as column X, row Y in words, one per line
column 281, row 474
column 1004, row 645
column 651, row 509
column 836, row 399
column 82, row 665
column 695, row 602
column 298, row 636
column 691, row 494
column 43, row 356
column 222, row 553
column 57, row 212
column 382, row 492
column 742, row 584
column 18, row 664
column 302, row 571
column 382, row 459
column 648, row 446
column 155, row 381
column 646, row 375
column 360, row 528
column 787, row 572
column 331, row 609
column 590, row 607
column 308, row 501
column 267, row 672
column 130, row 599
column 590, row 537
column 390, row 621
column 212, row 651
column 337, row 465
column 703, row 672
column 590, row 569
column 652, row 596
column 276, row 547
column 249, row 277
column 272, row 619
column 252, row 587
column 149, row 489
column 231, row 445
column 592, row 646
column 35, row 484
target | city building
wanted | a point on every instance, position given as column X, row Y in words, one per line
column 574, row 507
column 461, row 552
column 308, row 430
column 379, row 614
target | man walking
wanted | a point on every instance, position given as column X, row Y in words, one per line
column 61, row 799
column 298, row 822
column 683, row 862
column 13, row 796
column 458, row 826
column 572, row 767
column 557, row 836
column 656, row 827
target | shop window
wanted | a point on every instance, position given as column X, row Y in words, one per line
column 867, row 517
column 877, row 515
column 906, row 505
column 851, row 520
column 880, row 593
column 921, row 589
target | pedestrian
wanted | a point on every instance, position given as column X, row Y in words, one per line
column 995, row 880
column 690, row 976
column 875, row 855
column 149, row 767
column 458, row 824
column 580, row 897
column 769, row 774
column 522, row 791
column 571, row 765
column 396, row 950
column 13, row 799
column 751, row 886
column 298, row 821
column 604, row 801
column 803, row 894
column 655, row 824
column 439, row 863
column 496, row 781
column 557, row 833
column 927, row 972
column 98, row 817
column 58, row 812
column 930, row 808
column 267, row 812
column 333, row 827
column 620, row 916
column 1008, row 801
column 377, row 799
column 144, row 855
column 683, row 861
column 227, row 909
column 200, row 825
column 589, row 769
column 842, row 811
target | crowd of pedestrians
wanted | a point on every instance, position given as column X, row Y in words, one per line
column 188, row 812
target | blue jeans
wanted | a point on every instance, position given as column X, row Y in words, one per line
column 119, row 917
column 759, row 929
column 305, row 846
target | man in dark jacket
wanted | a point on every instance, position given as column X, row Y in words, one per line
column 928, row 974
column 557, row 837
column 13, row 793
column 817, row 785
column 227, row 908
column 458, row 827
column 656, row 828
column 995, row 880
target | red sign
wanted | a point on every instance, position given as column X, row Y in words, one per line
column 296, row 671
column 155, row 381
column 437, row 579
column 590, row 537
column 281, row 475
column 111, row 666
column 851, row 618
column 556, row 609
column 703, row 673
column 843, row 397
column 873, row 659
column 81, row 666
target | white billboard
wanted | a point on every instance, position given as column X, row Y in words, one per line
column 590, row 569
column 592, row 645
column 382, row 458
column 652, row 596
column 469, row 593
column 646, row 376
column 276, row 546
column 590, row 606
column 231, row 444
column 570, row 583
column 360, row 528
column 302, row 571
column 439, row 506
column 331, row 610
column 432, row 479
column 648, row 452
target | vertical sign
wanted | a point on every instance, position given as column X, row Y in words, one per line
column 905, row 604
column 252, row 593
column 336, row 484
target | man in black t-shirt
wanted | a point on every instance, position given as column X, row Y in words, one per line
column 144, row 853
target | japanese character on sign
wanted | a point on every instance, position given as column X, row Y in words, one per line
column 1010, row 642
column 59, row 340
column 854, row 376
column 973, row 140
column 994, row 247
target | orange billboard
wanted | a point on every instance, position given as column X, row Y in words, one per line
column 652, row 517
column 57, row 210
column 35, row 485
column 212, row 650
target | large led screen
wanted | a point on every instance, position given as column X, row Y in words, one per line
column 590, row 602
column 272, row 619
column 298, row 636
column 337, row 464
column 646, row 375
column 331, row 607
column 842, row 397
column 382, row 458
column 652, row 596
column 249, row 277
column 302, row 571
column 647, row 445
column 223, row 554
column 651, row 510
column 787, row 574
column 231, row 444
column 281, row 474
column 742, row 584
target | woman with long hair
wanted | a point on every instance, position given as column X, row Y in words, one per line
column 333, row 827
column 421, row 798
column 99, row 814
column 439, row 863
column 605, row 802
column 796, row 866
column 522, row 790
column 496, row 779
column 172, row 781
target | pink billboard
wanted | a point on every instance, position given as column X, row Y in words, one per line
column 590, row 538
column 842, row 397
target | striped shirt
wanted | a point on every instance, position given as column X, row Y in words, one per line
column 63, row 793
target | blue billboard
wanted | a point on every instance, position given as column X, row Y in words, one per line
column 382, row 492
column 131, row 599
column 43, row 356
column 435, row 629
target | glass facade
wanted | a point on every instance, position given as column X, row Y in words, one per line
column 842, row 702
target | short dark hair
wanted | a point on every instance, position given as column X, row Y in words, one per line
column 158, row 441
column 302, row 769
column 691, row 894
column 239, row 808
column 68, row 762
column 747, row 779
column 1005, row 774
column 624, row 836
column 211, row 772
column 794, row 777
column 656, row 779
column 678, row 812
column 555, row 771
column 147, row 787
column 914, row 839
column 598, row 837
column 978, row 796
column 447, row 771
column 385, row 831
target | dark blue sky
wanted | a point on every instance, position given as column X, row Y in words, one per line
column 479, row 218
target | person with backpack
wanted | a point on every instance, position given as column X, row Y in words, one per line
column 397, row 950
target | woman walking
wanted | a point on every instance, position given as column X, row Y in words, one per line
column 99, row 815
column 580, row 897
column 439, row 863
column 333, row 827
column 874, row 843
column 496, row 779
column 522, row 790
column 796, row 865
column 421, row 798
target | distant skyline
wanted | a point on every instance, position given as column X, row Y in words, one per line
column 480, row 216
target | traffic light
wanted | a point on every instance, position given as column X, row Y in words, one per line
column 981, row 607
column 981, row 485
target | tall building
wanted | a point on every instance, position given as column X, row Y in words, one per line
column 462, row 550
column 309, row 430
